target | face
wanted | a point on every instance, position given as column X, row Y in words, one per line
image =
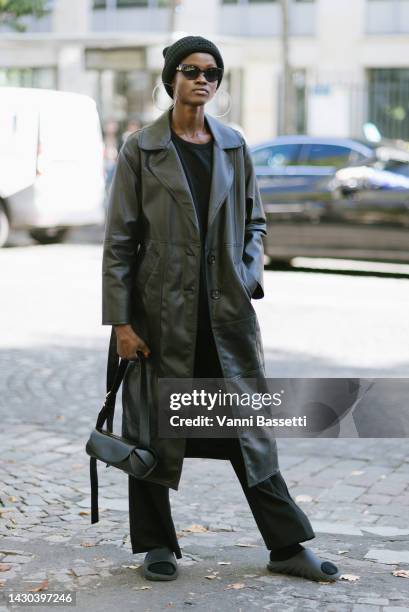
column 185, row 90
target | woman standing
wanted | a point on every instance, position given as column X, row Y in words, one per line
column 183, row 257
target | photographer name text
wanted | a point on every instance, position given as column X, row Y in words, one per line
column 224, row 421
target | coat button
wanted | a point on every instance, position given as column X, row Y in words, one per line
column 215, row 293
column 211, row 259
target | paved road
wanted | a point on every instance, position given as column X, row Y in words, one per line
column 355, row 491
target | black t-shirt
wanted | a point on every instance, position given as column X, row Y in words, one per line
column 197, row 161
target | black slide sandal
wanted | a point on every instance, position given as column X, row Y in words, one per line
column 162, row 556
column 306, row 564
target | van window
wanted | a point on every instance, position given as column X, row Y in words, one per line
column 276, row 156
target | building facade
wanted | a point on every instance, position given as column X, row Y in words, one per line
column 349, row 59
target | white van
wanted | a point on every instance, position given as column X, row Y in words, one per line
column 51, row 163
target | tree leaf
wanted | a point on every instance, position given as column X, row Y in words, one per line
column 349, row 577
column 401, row 573
column 195, row 528
column 303, row 498
column 142, row 588
column 43, row 585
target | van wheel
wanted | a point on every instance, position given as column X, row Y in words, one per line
column 49, row 235
column 4, row 227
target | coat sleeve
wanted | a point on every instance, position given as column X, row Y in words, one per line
column 255, row 228
column 122, row 236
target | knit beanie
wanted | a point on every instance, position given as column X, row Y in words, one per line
column 183, row 47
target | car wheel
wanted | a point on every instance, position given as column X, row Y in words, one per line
column 4, row 227
column 49, row 235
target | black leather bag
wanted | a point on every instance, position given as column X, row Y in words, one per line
column 137, row 460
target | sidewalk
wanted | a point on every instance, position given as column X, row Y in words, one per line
column 358, row 507
column 355, row 491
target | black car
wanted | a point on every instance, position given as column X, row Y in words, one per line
column 334, row 197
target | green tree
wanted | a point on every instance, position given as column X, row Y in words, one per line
column 11, row 12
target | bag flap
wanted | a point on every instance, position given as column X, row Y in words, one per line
column 108, row 447
column 146, row 456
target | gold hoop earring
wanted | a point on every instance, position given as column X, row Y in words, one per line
column 225, row 93
column 154, row 99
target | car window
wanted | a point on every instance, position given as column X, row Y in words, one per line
column 359, row 158
column 397, row 167
column 276, row 156
column 327, row 155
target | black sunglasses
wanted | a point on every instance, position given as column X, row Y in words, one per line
column 191, row 72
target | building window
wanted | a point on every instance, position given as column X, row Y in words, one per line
column 298, row 95
column 43, row 78
column 259, row 1
column 388, row 101
column 131, row 3
column 99, row 4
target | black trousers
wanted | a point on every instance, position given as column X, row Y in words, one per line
column 280, row 520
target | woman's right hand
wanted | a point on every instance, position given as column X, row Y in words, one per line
column 128, row 342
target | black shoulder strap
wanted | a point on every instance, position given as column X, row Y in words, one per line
column 114, row 376
column 115, row 373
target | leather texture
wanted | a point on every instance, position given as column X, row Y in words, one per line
column 136, row 460
column 151, row 271
column 117, row 451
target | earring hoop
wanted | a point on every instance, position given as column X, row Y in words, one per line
column 154, row 99
column 225, row 93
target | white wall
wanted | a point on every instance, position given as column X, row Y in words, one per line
column 259, row 101
column 340, row 25
column 71, row 16
column 198, row 17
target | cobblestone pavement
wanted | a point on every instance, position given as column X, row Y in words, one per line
column 355, row 491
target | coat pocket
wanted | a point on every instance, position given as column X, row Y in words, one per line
column 237, row 346
column 242, row 276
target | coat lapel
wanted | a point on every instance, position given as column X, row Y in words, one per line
column 168, row 169
column 165, row 164
column 222, row 178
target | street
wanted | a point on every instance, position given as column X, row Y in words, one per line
column 355, row 491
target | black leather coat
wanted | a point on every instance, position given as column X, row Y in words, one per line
column 151, row 263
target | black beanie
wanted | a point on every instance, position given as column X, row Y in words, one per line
column 181, row 48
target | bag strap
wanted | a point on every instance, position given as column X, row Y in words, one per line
column 115, row 373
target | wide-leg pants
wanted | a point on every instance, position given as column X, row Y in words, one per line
column 280, row 520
